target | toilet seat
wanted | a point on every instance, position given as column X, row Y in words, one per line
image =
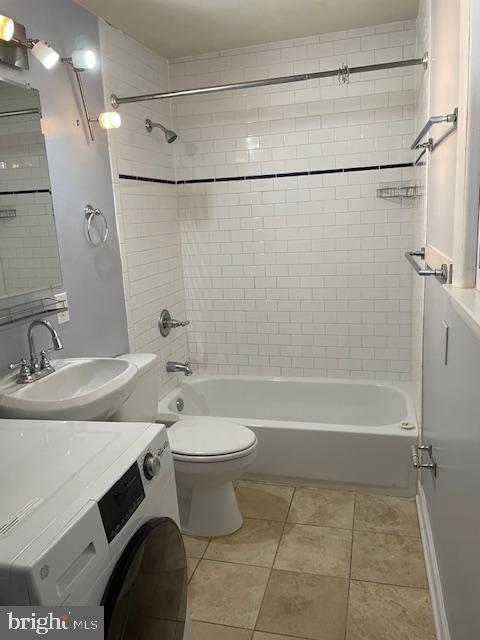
column 210, row 440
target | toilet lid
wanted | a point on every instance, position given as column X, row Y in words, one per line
column 209, row 437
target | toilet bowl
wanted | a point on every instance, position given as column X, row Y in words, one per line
column 209, row 454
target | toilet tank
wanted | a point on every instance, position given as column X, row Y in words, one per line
column 142, row 404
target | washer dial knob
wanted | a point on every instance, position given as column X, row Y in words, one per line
column 151, row 466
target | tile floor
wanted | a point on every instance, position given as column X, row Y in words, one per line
column 312, row 564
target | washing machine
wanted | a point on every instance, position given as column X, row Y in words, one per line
column 89, row 516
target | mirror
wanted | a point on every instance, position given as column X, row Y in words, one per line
column 29, row 258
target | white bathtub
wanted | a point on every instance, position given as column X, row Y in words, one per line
column 319, row 431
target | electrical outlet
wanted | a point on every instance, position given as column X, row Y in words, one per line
column 63, row 316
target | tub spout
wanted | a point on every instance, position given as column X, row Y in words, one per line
column 176, row 367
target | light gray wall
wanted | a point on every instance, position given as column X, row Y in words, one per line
column 80, row 174
column 451, row 422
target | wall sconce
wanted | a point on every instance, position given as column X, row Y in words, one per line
column 83, row 60
column 40, row 49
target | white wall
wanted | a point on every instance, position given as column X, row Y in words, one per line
column 300, row 275
column 146, row 211
column 79, row 173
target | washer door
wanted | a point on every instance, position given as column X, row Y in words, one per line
column 146, row 596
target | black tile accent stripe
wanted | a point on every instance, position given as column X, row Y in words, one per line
column 125, row 176
column 15, row 193
column 265, row 176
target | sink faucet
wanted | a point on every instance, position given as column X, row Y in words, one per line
column 176, row 367
column 57, row 345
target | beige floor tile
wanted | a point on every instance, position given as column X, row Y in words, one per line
column 310, row 549
column 305, row 606
column 255, row 543
column 191, row 566
column 387, row 514
column 264, row 501
column 388, row 558
column 228, row 594
column 195, row 547
column 206, row 631
column 322, row 507
column 378, row 612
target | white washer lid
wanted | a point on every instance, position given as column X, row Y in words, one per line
column 209, row 437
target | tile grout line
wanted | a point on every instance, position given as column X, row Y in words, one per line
column 274, row 558
column 350, row 569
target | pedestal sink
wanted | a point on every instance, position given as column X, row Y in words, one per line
column 78, row 389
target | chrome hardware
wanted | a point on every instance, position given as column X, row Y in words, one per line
column 430, row 144
column 179, row 367
column 35, row 366
column 180, row 404
column 44, row 361
column 117, row 101
column 417, row 458
column 441, row 274
column 166, row 323
column 90, row 214
column 25, row 373
column 151, row 466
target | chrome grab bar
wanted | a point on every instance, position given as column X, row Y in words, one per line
column 441, row 273
column 430, row 144
column 417, row 458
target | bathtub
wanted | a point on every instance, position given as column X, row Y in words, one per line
column 356, row 434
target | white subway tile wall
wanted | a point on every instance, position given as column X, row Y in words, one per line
column 146, row 212
column 301, row 275
column 312, row 125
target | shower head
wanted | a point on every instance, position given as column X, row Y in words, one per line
column 170, row 136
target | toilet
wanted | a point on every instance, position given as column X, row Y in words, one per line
column 209, row 454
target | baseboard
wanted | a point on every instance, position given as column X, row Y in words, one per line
column 436, row 595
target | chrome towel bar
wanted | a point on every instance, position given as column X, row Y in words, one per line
column 441, row 274
column 417, row 461
column 430, row 144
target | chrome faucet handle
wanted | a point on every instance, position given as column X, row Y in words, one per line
column 44, row 361
column 21, row 363
column 25, row 373
column 178, row 323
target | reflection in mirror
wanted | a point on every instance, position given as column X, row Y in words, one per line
column 29, row 259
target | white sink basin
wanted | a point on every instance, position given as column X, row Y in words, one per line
column 79, row 389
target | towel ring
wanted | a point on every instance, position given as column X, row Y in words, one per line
column 90, row 214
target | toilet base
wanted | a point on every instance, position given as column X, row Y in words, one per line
column 209, row 511
column 206, row 497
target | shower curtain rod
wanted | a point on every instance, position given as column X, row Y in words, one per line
column 342, row 72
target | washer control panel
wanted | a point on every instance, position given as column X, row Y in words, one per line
column 150, row 462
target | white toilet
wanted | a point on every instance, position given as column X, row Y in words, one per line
column 209, row 454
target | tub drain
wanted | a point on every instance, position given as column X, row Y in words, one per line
column 407, row 426
column 180, row 404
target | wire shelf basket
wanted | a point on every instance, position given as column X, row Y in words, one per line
column 6, row 214
column 393, row 192
column 25, row 311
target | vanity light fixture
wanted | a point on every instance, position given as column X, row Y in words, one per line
column 81, row 59
column 110, row 120
column 43, row 52
column 7, row 27
column 85, row 60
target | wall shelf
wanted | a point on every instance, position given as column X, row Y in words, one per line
column 394, row 192
column 20, row 313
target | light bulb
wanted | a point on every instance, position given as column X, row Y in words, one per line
column 84, row 59
column 45, row 54
column 109, row 120
column 7, row 27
